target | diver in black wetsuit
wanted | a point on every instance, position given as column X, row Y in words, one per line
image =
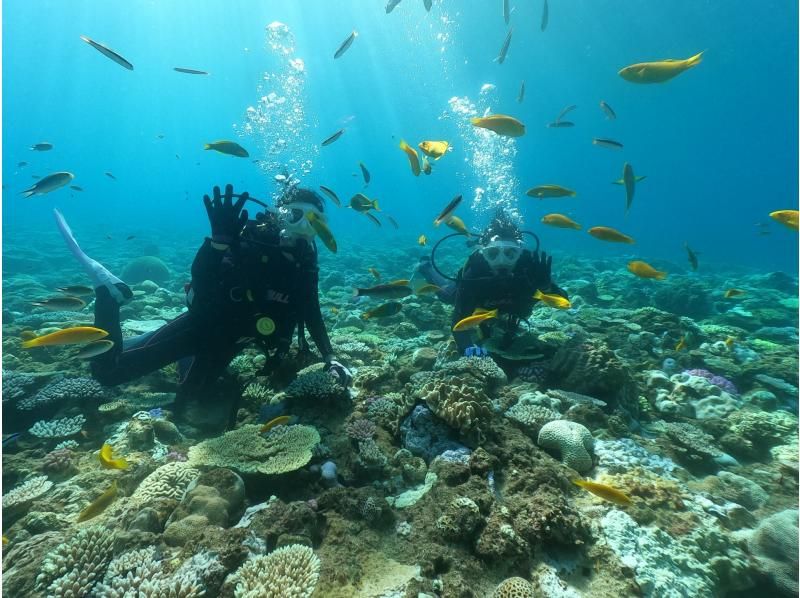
column 252, row 280
column 501, row 273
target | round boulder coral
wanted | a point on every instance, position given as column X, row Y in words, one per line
column 514, row 587
column 573, row 441
column 147, row 267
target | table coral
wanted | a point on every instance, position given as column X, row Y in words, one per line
column 283, row 449
column 26, row 492
column 573, row 441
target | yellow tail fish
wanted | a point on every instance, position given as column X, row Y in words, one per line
column 786, row 217
column 477, row 317
column 107, row 460
column 68, row 336
column 552, row 300
column 413, row 158
column 604, row 491
column 658, row 71
column 503, row 125
column 278, row 421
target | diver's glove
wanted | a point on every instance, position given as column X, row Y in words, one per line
column 540, row 269
column 476, row 351
column 227, row 219
column 340, row 372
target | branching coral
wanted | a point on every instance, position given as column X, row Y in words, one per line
column 288, row 572
column 78, row 389
column 75, row 566
column 26, row 492
column 316, row 387
column 283, row 449
column 58, row 428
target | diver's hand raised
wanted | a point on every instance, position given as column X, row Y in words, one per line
column 226, row 218
column 541, row 268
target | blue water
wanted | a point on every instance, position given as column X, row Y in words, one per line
column 717, row 143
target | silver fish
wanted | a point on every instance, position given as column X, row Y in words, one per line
column 189, row 71
column 44, row 146
column 345, row 44
column 504, row 50
column 565, row 111
column 49, row 183
column 94, row 349
column 545, row 15
column 561, row 124
column 506, row 11
column 391, row 5
column 330, row 193
column 333, row 137
column 365, row 173
column 428, row 5
column 629, row 179
column 108, row 52
column 609, row 143
column 609, row 112
column 521, row 94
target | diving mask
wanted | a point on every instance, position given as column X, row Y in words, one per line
column 502, row 255
column 294, row 222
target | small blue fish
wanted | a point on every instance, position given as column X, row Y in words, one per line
column 156, row 413
column 9, row 438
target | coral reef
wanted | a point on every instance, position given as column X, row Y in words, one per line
column 83, row 390
column 465, row 408
column 288, row 572
column 75, row 566
column 775, row 546
column 58, row 428
column 282, row 449
column 26, row 492
column 573, row 442
column 316, row 387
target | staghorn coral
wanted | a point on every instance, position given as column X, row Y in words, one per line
column 257, row 392
column 283, row 449
column 288, row 572
column 573, row 441
column 68, row 389
column 16, row 384
column 514, row 587
column 26, row 492
column 58, row 428
column 168, row 481
column 463, row 407
column 315, row 386
column 72, row 568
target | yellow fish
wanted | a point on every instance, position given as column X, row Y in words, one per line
column 5, row 540
column 552, row 300
column 227, row 147
column 375, row 273
column 400, row 282
column 659, row 71
column 786, row 217
column 99, row 504
column 606, row 233
column 681, row 344
column 434, row 149
column 477, row 317
column 604, row 491
column 413, row 158
column 729, row 342
column 560, row 221
column 107, row 460
column 457, row 225
column 645, row 270
column 335, row 310
column 730, row 293
column 543, row 191
column 68, row 336
column 423, row 240
column 278, row 421
column 503, row 125
column 322, row 230
column 428, row 289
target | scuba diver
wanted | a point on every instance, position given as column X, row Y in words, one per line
column 499, row 274
column 252, row 280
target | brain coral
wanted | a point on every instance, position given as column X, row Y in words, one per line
column 147, row 267
column 288, row 572
column 75, row 566
column 283, row 449
column 168, row 481
column 573, row 441
column 514, row 587
column 463, row 407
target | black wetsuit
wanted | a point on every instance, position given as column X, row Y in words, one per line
column 231, row 290
column 477, row 285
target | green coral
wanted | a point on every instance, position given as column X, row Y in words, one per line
column 283, row 449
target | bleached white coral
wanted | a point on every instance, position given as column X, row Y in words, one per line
column 27, row 491
column 58, row 428
column 168, row 481
column 141, row 574
column 72, row 568
column 288, row 572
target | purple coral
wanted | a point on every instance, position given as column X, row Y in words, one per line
column 58, row 461
column 719, row 381
column 360, row 429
